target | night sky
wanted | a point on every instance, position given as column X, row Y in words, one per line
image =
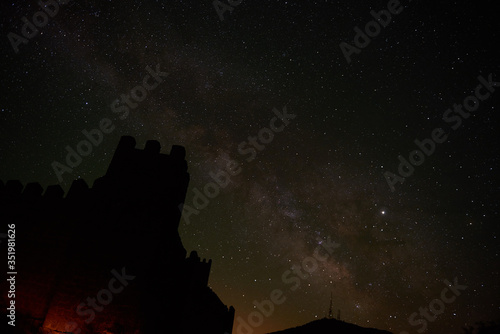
column 322, row 177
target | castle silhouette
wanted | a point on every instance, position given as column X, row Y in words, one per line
column 109, row 259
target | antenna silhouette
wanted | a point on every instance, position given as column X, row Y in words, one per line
column 330, row 310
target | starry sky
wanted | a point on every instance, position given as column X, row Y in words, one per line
column 322, row 177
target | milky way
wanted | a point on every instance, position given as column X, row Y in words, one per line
column 321, row 177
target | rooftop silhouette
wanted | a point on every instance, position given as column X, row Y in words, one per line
column 325, row 325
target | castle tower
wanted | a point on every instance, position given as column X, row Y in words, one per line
column 117, row 240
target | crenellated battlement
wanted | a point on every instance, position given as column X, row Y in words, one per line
column 198, row 269
column 143, row 177
column 130, row 168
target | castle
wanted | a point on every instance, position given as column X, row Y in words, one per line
column 109, row 259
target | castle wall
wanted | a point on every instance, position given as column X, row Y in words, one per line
column 69, row 245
